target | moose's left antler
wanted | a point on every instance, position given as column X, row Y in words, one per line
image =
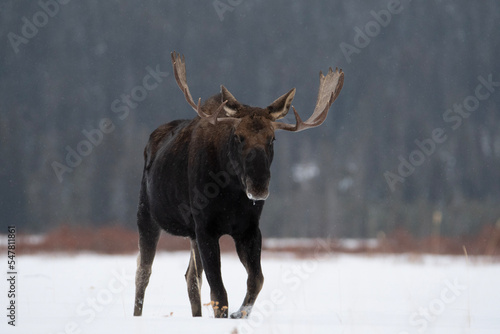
column 329, row 88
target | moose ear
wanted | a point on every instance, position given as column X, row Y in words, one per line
column 232, row 103
column 279, row 108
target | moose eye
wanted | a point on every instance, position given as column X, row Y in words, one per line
column 240, row 139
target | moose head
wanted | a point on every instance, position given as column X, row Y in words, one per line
column 252, row 129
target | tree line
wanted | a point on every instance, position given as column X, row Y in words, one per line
column 412, row 142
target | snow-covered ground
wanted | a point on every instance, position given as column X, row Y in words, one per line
column 326, row 294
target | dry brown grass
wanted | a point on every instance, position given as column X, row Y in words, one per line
column 113, row 239
column 119, row 240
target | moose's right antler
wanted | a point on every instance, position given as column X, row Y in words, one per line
column 179, row 66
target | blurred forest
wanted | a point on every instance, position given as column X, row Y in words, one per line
column 412, row 142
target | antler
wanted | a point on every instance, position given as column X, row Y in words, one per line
column 329, row 88
column 179, row 65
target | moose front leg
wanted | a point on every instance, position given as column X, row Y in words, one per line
column 249, row 247
column 210, row 258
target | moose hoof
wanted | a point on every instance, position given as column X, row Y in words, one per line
column 219, row 311
column 242, row 313
column 220, row 314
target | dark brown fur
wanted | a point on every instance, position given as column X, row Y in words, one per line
column 203, row 181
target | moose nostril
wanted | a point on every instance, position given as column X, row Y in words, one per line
column 257, row 192
column 261, row 197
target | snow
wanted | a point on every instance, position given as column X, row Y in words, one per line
column 90, row 293
column 313, row 244
column 305, row 171
column 27, row 239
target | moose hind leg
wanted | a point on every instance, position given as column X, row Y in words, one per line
column 148, row 239
column 194, row 279
column 249, row 250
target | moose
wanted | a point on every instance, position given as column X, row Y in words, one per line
column 209, row 176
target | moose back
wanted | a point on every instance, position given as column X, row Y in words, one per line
column 209, row 176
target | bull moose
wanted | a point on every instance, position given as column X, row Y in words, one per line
column 209, row 176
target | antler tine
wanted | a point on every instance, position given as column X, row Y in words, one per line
column 212, row 119
column 329, row 89
column 179, row 66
